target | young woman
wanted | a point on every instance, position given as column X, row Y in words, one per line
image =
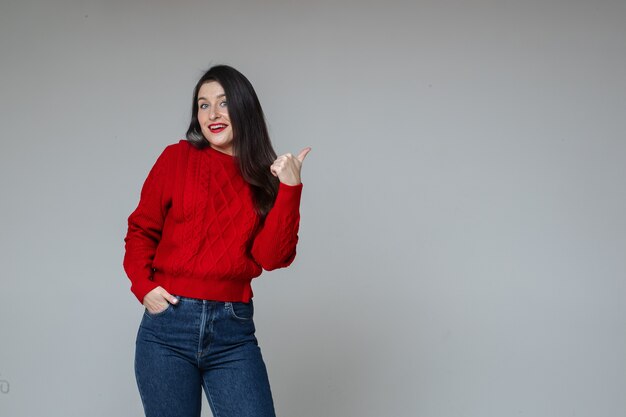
column 215, row 210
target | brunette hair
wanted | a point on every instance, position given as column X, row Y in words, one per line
column 251, row 141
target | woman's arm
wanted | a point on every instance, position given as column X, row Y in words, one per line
column 275, row 245
column 146, row 223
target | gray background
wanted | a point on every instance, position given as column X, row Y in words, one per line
column 463, row 231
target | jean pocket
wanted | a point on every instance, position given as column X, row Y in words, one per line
column 160, row 313
column 241, row 311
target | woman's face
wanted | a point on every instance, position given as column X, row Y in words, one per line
column 213, row 117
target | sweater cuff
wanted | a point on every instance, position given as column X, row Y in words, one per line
column 143, row 287
column 288, row 195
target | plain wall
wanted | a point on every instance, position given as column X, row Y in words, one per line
column 463, row 238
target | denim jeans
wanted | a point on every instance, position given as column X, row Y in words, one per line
column 198, row 344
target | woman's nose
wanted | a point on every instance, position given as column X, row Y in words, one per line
column 213, row 114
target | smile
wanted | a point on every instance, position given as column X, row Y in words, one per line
column 217, row 127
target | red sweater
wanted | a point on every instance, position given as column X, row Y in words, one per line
column 196, row 234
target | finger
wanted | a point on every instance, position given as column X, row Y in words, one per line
column 169, row 297
column 303, row 153
column 279, row 165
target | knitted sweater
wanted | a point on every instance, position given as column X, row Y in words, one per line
column 195, row 231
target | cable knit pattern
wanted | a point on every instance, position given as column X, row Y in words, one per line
column 195, row 231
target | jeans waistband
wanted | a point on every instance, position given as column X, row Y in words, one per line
column 201, row 301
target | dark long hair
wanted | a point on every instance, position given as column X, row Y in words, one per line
column 251, row 141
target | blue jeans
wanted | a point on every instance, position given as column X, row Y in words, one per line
column 197, row 344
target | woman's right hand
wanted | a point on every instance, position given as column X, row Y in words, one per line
column 287, row 167
column 158, row 300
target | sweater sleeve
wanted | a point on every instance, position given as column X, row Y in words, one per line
column 145, row 225
column 275, row 244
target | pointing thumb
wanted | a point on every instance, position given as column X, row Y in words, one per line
column 303, row 153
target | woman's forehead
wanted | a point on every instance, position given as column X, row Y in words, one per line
column 211, row 89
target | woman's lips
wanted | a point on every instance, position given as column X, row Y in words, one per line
column 217, row 127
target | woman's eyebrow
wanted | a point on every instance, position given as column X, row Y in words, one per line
column 217, row 96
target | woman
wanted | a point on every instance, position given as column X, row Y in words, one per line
column 215, row 210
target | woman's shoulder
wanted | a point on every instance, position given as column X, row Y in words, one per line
column 177, row 148
column 172, row 153
column 182, row 153
column 182, row 144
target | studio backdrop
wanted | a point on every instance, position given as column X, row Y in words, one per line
column 463, row 237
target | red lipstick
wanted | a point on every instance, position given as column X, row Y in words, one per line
column 217, row 127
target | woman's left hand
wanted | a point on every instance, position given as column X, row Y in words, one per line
column 287, row 167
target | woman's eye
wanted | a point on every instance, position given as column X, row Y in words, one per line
column 204, row 106
column 223, row 104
